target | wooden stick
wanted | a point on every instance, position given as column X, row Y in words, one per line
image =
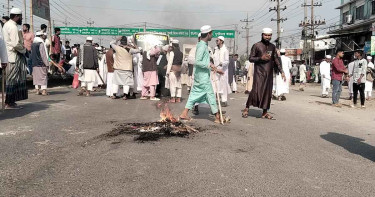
column 218, row 100
column 3, row 89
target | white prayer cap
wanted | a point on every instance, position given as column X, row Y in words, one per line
column 175, row 41
column 15, row 11
column 328, row 57
column 282, row 51
column 199, row 35
column 98, row 48
column 221, row 38
column 39, row 33
column 369, row 57
column 89, row 38
column 267, row 30
column 206, row 29
column 165, row 48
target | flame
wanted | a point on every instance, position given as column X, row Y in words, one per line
column 166, row 114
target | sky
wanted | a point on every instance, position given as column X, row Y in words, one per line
column 187, row 14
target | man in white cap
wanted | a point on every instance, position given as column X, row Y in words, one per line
column 88, row 62
column 123, row 66
column 264, row 56
column 16, row 71
column 282, row 87
column 175, row 58
column 325, row 75
column 202, row 91
column 39, row 62
column 369, row 82
column 221, row 61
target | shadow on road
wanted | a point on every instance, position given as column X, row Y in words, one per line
column 27, row 109
column 329, row 104
column 352, row 144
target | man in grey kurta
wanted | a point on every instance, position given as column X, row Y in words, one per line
column 39, row 62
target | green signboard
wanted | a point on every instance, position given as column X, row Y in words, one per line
column 107, row 31
column 89, row 31
column 128, row 31
column 69, row 30
column 372, row 45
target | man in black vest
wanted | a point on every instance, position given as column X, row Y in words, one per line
column 174, row 72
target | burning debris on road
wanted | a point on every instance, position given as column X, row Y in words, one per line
column 168, row 126
column 152, row 131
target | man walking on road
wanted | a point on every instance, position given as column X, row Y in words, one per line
column 325, row 74
column 263, row 55
column 338, row 70
column 233, row 65
column 202, row 90
column 294, row 72
column 221, row 61
column 302, row 76
column 16, row 71
column 282, row 86
column 359, row 78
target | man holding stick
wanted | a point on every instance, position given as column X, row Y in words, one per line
column 202, row 90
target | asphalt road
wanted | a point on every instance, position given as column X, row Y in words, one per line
column 51, row 148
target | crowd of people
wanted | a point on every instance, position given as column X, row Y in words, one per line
column 210, row 75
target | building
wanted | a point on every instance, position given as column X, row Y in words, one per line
column 354, row 30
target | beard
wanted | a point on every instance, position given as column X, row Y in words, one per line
column 19, row 22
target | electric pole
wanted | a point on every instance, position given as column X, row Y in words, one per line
column 8, row 7
column 278, row 20
column 90, row 22
column 66, row 25
column 312, row 24
column 247, row 28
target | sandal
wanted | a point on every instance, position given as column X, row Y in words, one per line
column 113, row 97
column 245, row 113
column 154, row 99
column 45, row 94
column 268, row 117
column 125, row 98
column 38, row 93
column 143, row 98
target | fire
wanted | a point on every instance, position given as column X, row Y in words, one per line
column 166, row 114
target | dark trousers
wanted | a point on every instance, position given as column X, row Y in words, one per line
column 361, row 88
column 293, row 80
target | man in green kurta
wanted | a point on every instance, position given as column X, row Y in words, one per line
column 202, row 91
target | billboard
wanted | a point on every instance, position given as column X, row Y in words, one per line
column 41, row 8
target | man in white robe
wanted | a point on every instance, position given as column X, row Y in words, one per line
column 325, row 74
column 369, row 84
column 221, row 61
column 282, row 86
column 302, row 76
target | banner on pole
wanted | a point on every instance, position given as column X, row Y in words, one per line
column 41, row 9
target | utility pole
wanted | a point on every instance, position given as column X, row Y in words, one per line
column 235, row 37
column 278, row 20
column 24, row 5
column 90, row 22
column 312, row 24
column 247, row 28
column 8, row 7
column 66, row 25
